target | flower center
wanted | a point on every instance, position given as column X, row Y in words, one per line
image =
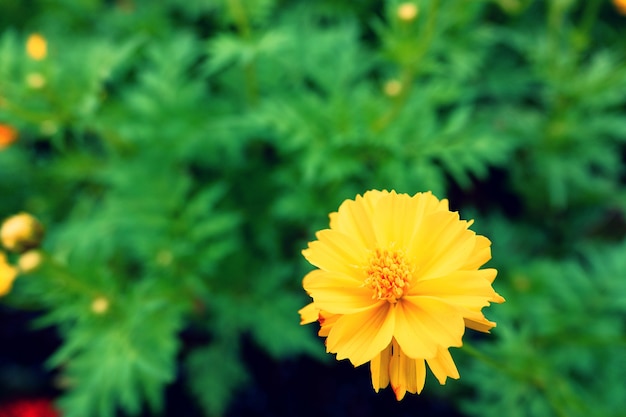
column 388, row 274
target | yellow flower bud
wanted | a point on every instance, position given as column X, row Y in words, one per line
column 21, row 232
column 30, row 261
column 407, row 12
column 100, row 305
column 392, row 88
column 36, row 47
column 8, row 273
column 35, row 80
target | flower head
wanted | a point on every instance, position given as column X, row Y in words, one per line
column 8, row 273
column 36, row 47
column 620, row 5
column 8, row 135
column 21, row 232
column 398, row 282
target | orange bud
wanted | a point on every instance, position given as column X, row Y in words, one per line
column 8, row 135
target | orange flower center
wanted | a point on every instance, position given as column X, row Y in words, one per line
column 388, row 274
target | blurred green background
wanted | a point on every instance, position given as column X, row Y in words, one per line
column 181, row 153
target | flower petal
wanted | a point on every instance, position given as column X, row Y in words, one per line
column 480, row 254
column 424, row 323
column 443, row 366
column 354, row 218
column 309, row 314
column 336, row 252
column 406, row 374
column 469, row 289
column 480, row 324
column 442, row 245
column 379, row 367
column 361, row 336
column 337, row 293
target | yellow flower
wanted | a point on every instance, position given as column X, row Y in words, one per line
column 35, row 80
column 100, row 305
column 8, row 273
column 8, row 135
column 398, row 282
column 393, row 88
column 21, row 232
column 36, row 47
column 407, row 11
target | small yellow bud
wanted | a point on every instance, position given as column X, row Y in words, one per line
column 392, row 88
column 100, row 305
column 8, row 135
column 8, row 273
column 35, row 80
column 407, row 12
column 21, row 232
column 36, row 47
column 30, row 261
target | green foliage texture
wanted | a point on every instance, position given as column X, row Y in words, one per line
column 181, row 153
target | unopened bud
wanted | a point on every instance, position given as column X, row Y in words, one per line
column 392, row 88
column 100, row 305
column 30, row 261
column 8, row 135
column 36, row 47
column 21, row 232
column 35, row 80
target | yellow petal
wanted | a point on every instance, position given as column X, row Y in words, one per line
column 480, row 324
column 405, row 374
column 336, row 252
column 424, row 323
column 327, row 321
column 468, row 289
column 337, row 293
column 361, row 336
column 379, row 367
column 354, row 218
column 442, row 245
column 8, row 274
column 443, row 366
column 480, row 254
column 309, row 314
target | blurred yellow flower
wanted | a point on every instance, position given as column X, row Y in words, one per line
column 398, row 282
column 21, row 232
column 35, row 80
column 407, row 11
column 36, row 47
column 392, row 88
column 8, row 135
column 100, row 305
column 8, row 273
